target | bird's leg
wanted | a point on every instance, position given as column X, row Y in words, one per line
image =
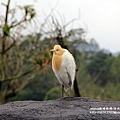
column 62, row 90
column 68, row 90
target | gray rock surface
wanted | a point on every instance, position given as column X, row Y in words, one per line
column 68, row 108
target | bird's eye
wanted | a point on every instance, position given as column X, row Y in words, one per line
column 57, row 50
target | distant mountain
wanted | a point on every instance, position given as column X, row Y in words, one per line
column 106, row 51
column 116, row 54
column 86, row 47
column 89, row 47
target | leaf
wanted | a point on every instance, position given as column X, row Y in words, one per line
column 39, row 60
column 47, row 53
column 6, row 30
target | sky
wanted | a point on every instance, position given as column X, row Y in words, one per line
column 100, row 18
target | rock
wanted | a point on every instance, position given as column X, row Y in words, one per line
column 68, row 108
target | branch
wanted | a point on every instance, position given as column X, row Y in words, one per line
column 48, row 16
column 4, row 4
column 7, row 10
column 7, row 49
column 18, row 23
column 6, row 19
column 19, row 76
column 70, row 22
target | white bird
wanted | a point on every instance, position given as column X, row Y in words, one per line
column 63, row 65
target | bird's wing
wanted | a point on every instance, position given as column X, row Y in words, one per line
column 70, row 66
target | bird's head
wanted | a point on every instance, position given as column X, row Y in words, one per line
column 58, row 50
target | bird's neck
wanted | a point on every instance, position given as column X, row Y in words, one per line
column 57, row 61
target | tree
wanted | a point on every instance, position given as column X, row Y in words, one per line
column 19, row 55
column 99, row 68
column 115, row 70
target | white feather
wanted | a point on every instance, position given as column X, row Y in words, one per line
column 67, row 67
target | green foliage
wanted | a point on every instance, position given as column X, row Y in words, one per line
column 111, row 84
column 6, row 30
column 99, row 67
column 53, row 93
column 29, row 11
column 111, row 92
column 22, row 95
column 37, row 88
column 47, row 53
column 39, row 60
column 115, row 70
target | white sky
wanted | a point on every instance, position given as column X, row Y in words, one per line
column 101, row 18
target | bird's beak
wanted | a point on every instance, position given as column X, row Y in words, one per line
column 52, row 50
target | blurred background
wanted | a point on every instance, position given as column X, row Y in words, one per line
column 29, row 29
